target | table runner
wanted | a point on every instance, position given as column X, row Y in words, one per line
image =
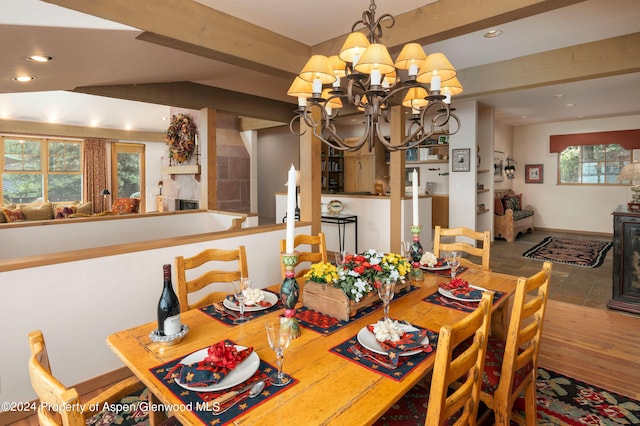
column 195, row 401
column 406, row 364
column 228, row 320
column 325, row 324
column 441, row 300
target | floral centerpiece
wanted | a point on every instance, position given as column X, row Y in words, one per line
column 181, row 138
column 357, row 276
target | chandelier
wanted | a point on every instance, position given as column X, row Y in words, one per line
column 373, row 85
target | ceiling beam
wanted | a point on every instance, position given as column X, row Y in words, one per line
column 198, row 28
column 445, row 19
column 190, row 95
column 604, row 58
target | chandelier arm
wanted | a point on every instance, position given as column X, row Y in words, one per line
column 293, row 120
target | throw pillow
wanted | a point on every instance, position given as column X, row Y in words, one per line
column 7, row 206
column 510, row 203
column 498, row 207
column 84, row 208
column 125, row 205
column 37, row 211
column 14, row 215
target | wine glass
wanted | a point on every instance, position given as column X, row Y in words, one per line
column 239, row 287
column 406, row 251
column 453, row 259
column 279, row 336
column 385, row 292
column 340, row 257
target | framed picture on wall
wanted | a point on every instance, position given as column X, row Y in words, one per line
column 498, row 166
column 460, row 160
column 533, row 173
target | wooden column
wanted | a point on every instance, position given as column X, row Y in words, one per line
column 208, row 119
column 396, row 179
column 310, row 185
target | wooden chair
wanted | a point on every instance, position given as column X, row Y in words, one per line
column 314, row 241
column 459, row 406
column 511, row 366
column 209, row 277
column 54, row 394
column 483, row 252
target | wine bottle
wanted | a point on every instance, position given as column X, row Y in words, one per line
column 168, row 307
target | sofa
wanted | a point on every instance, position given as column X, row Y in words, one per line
column 38, row 211
column 511, row 217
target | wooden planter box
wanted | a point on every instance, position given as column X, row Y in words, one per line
column 333, row 302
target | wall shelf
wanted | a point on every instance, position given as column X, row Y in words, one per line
column 482, row 211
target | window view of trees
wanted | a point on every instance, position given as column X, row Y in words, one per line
column 41, row 169
column 593, row 164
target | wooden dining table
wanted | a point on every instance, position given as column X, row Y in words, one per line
column 330, row 389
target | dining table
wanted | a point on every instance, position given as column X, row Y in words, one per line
column 330, row 386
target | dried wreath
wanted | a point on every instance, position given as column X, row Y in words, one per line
column 181, row 138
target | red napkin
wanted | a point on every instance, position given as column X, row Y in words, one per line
column 460, row 288
column 221, row 359
column 409, row 341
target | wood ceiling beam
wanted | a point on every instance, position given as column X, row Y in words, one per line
column 190, row 95
column 445, row 19
column 604, row 58
column 201, row 30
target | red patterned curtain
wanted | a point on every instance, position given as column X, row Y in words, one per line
column 96, row 172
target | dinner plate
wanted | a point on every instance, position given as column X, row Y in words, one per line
column 241, row 373
column 369, row 341
column 268, row 297
column 442, row 267
column 447, row 293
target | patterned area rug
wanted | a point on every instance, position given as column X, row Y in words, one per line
column 561, row 401
column 572, row 251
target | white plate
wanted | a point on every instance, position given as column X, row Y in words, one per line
column 436, row 268
column 241, row 373
column 447, row 293
column 369, row 341
column 268, row 297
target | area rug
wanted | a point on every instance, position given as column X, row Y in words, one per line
column 561, row 401
column 571, row 251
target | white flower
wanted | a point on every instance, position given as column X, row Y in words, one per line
column 387, row 330
column 253, row 296
column 428, row 259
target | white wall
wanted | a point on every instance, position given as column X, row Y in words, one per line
column 584, row 208
column 78, row 304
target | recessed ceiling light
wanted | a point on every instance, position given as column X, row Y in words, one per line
column 571, row 105
column 493, row 33
column 40, row 58
column 163, row 118
column 559, row 95
column 23, row 78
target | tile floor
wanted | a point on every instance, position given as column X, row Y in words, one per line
column 591, row 287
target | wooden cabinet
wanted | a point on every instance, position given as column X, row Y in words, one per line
column 362, row 168
column 626, row 261
column 440, row 210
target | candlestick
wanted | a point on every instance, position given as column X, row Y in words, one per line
column 416, row 219
column 416, row 253
column 291, row 208
column 290, row 293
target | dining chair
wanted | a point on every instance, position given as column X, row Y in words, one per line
column 306, row 258
column 237, row 258
column 454, row 240
column 58, row 404
column 511, row 365
column 447, row 405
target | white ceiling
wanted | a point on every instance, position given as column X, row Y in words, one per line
column 90, row 51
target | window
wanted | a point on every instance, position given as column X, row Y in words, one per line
column 592, row 164
column 40, row 169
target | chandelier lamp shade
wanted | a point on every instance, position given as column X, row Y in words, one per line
column 631, row 173
column 364, row 76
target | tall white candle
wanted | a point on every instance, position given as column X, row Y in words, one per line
column 416, row 220
column 291, row 208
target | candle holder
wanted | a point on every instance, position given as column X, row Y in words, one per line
column 416, row 253
column 289, row 293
